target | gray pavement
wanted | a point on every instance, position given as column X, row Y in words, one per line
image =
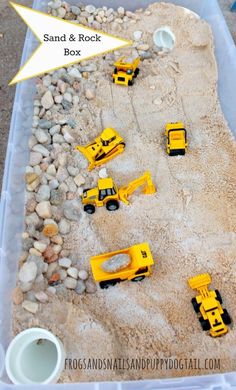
column 12, row 35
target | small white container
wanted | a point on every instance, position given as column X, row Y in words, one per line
column 35, row 356
column 164, row 38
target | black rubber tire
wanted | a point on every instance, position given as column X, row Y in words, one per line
column 107, row 284
column 112, row 205
column 218, row 296
column 115, row 71
column 205, row 324
column 196, row 306
column 89, row 209
column 226, row 317
column 138, row 278
column 130, row 83
column 136, row 72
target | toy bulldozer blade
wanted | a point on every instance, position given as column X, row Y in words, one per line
column 199, row 281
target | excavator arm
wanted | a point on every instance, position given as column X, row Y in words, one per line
column 144, row 180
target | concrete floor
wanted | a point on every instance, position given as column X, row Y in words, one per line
column 12, row 34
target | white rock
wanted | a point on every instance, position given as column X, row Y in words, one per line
column 55, row 129
column 41, row 149
column 80, row 287
column 79, row 180
column 121, row 11
column 47, row 81
column 76, row 100
column 90, row 93
column 43, row 209
column 58, row 99
column 41, row 296
column 64, row 226
column 43, row 193
column 116, row 263
column 55, row 4
column 35, row 158
column 68, row 97
column 51, row 290
column 61, row 12
column 53, row 184
column 40, row 246
column 28, row 272
column 82, row 274
column 103, row 173
column 68, row 137
column 90, row 9
column 41, row 136
column 58, row 139
column 64, row 262
column 143, row 46
column 137, row 35
column 47, row 100
column 74, row 72
column 51, row 170
column 70, row 283
column 62, row 174
column 63, row 274
column 73, row 272
column 32, row 307
column 25, row 287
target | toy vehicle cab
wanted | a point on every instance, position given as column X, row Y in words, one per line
column 176, row 136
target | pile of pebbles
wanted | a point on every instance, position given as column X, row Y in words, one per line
column 56, row 172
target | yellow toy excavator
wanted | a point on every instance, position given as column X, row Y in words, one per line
column 125, row 71
column 208, row 305
column 103, row 149
column 107, row 194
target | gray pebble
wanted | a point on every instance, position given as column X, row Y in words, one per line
column 57, row 197
column 28, row 272
column 71, row 210
column 64, row 226
column 70, row 283
column 43, row 193
column 35, row 158
column 80, row 287
column 27, row 243
column 75, row 10
column 45, row 124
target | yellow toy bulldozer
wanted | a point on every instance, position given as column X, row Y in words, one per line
column 176, row 136
column 125, row 71
column 139, row 267
column 208, row 305
column 107, row 194
column 103, row 149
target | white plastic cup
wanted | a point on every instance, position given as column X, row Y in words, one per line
column 164, row 38
column 35, row 356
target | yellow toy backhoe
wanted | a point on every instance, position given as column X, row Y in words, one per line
column 125, row 71
column 107, row 194
column 103, row 149
column 208, row 305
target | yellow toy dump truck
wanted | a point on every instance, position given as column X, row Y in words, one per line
column 139, row 267
column 208, row 305
column 104, row 148
column 176, row 136
column 107, row 194
column 125, row 71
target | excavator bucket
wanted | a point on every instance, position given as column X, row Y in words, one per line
column 199, row 281
column 149, row 188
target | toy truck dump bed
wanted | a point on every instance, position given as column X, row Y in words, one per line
column 140, row 266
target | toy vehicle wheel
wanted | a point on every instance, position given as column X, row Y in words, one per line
column 138, row 278
column 196, row 306
column 107, row 283
column 205, row 324
column 112, row 205
column 226, row 317
column 218, row 296
column 136, row 72
column 89, row 208
column 115, row 71
column 130, row 82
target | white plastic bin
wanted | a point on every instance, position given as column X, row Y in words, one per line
column 12, row 201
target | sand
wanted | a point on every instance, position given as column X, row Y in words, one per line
column 189, row 222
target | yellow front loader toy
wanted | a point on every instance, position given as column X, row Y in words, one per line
column 125, row 71
column 103, row 149
column 139, row 267
column 107, row 194
column 176, row 136
column 208, row 305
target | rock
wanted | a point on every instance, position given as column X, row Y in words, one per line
column 52, row 267
column 90, row 9
column 62, row 174
column 30, row 296
column 64, row 262
column 143, row 46
column 40, row 246
column 79, row 180
column 71, row 210
column 43, row 209
column 34, row 252
column 157, row 101
column 30, row 177
column 91, row 287
column 55, row 130
column 66, row 105
column 74, row 72
column 47, row 80
column 51, row 290
column 68, row 137
column 68, row 97
column 121, row 11
column 57, row 197
column 89, row 68
column 35, row 158
column 73, row 272
column 58, row 139
column 80, row 287
column 27, row 243
column 103, row 173
column 25, row 287
column 53, row 184
column 55, row 4
column 45, row 124
column 41, row 150
column 116, row 263
column 61, row 12
column 32, row 307
column 83, row 275
column 38, row 261
column 50, row 230
column 49, row 255
column 41, row 136
column 90, row 92
column 41, row 297
column 137, row 35
column 43, row 193
column 63, row 274
column 47, row 100
column 75, row 10
column 70, row 283
column 33, row 220
column 72, row 170
column 64, row 226
column 28, row 272
column 17, row 296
